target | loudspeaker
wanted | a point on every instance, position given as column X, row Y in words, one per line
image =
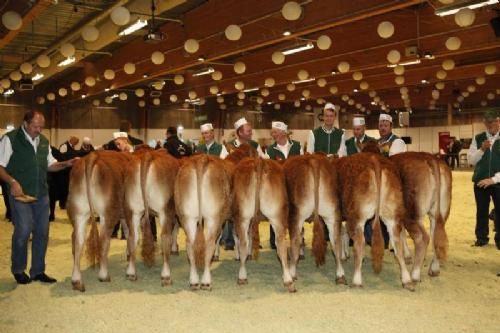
column 495, row 24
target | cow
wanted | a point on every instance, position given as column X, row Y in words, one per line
column 96, row 189
column 427, row 185
column 149, row 186
column 369, row 187
column 311, row 186
column 260, row 188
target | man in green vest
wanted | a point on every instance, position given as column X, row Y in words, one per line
column 360, row 139
column 281, row 149
column 389, row 143
column 327, row 138
column 244, row 135
column 484, row 153
column 25, row 158
column 210, row 147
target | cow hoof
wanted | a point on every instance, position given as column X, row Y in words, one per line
column 341, row 280
column 215, row 258
column 291, row 287
column 106, row 279
column 194, row 286
column 301, row 257
column 433, row 273
column 166, row 281
column 409, row 286
column 206, row 286
column 357, row 286
column 242, row 281
column 294, row 278
column 78, row 285
column 174, row 253
column 131, row 277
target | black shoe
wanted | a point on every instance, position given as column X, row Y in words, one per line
column 22, row 278
column 498, row 245
column 273, row 246
column 479, row 243
column 51, row 218
column 44, row 278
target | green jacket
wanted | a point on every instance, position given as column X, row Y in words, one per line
column 215, row 149
column 252, row 143
column 328, row 143
column 275, row 154
column 350, row 144
column 489, row 164
column 26, row 166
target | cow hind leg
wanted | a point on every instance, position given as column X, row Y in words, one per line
column 279, row 228
column 334, row 232
column 295, row 228
column 105, row 236
column 79, row 224
column 167, row 225
column 241, row 229
column 175, row 246
column 435, row 267
column 421, row 240
column 212, row 231
column 190, row 225
column 132, row 240
column 394, row 230
column 406, row 248
column 359, row 248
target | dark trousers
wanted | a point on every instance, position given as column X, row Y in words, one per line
column 5, row 193
column 29, row 218
column 368, row 232
column 227, row 233
column 483, row 196
column 452, row 160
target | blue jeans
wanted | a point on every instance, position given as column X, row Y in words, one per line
column 29, row 218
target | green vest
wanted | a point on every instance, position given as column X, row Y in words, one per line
column 386, row 146
column 215, row 149
column 489, row 164
column 252, row 143
column 275, row 154
column 350, row 144
column 327, row 143
column 26, row 166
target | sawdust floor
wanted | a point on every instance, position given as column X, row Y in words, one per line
column 464, row 298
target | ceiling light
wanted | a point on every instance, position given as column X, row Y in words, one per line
column 9, row 92
column 406, row 63
column 83, row 96
column 66, row 62
column 355, row 90
column 139, row 24
column 250, row 89
column 106, row 89
column 471, row 4
column 424, row 81
column 286, row 33
column 298, row 48
column 303, row 81
column 37, row 76
column 334, row 72
column 428, row 55
column 145, row 75
column 204, row 71
column 202, row 59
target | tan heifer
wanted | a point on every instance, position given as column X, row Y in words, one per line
column 95, row 189
column 369, row 187
column 311, row 185
column 149, row 185
column 259, row 188
column 427, row 185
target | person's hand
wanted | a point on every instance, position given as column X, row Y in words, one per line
column 15, row 189
column 485, row 183
column 486, row 145
column 70, row 162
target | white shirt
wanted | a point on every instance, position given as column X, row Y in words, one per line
column 474, row 155
column 398, row 146
column 285, row 149
column 223, row 152
column 237, row 143
column 310, row 142
column 64, row 147
column 6, row 149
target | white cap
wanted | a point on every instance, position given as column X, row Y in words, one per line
column 329, row 106
column 240, row 122
column 86, row 139
column 385, row 116
column 279, row 125
column 206, row 127
column 117, row 135
column 358, row 121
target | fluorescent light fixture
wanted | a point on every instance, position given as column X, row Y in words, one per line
column 355, row 90
column 66, row 62
column 405, row 63
column 8, row 92
column 424, row 81
column 455, row 7
column 139, row 24
column 286, row 33
column 9, row 127
column 204, row 71
column 106, row 89
column 250, row 89
column 304, row 81
column 83, row 96
column 37, row 76
column 115, row 96
column 298, row 48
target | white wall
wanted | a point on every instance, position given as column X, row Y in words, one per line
column 423, row 138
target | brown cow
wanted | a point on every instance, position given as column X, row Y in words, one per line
column 259, row 187
column 426, row 184
column 149, row 185
column 311, row 184
column 369, row 187
column 95, row 189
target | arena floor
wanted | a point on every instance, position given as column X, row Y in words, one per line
column 464, row 298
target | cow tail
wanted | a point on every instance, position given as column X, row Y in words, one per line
column 93, row 241
column 318, row 241
column 199, row 239
column 148, row 245
column 254, row 224
column 440, row 239
column 377, row 248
